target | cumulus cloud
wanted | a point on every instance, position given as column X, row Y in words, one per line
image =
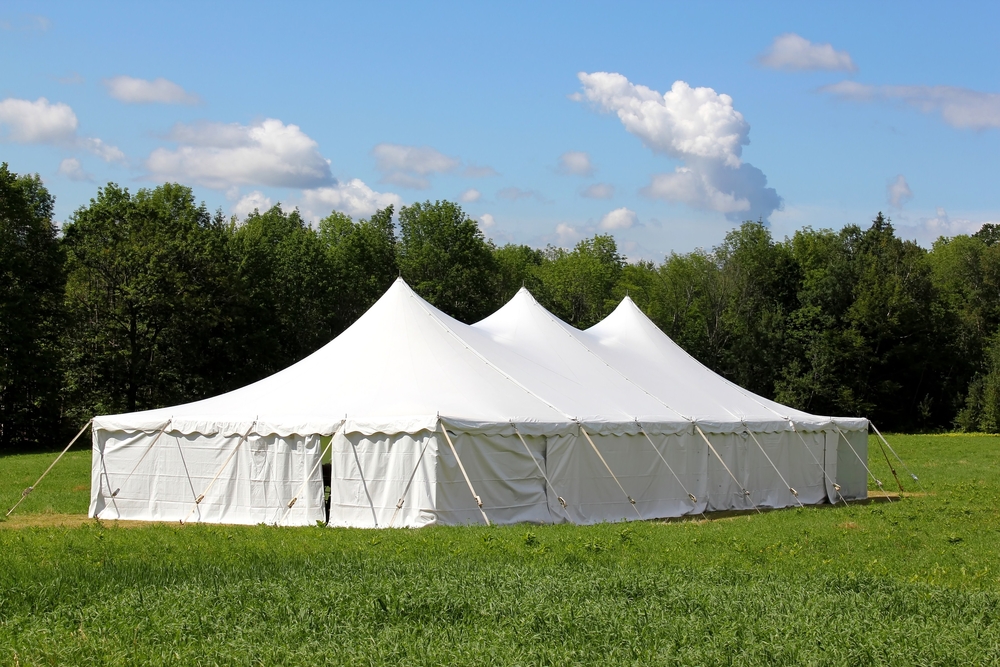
column 566, row 235
column 73, row 170
column 514, row 194
column 486, row 221
column 41, row 122
column 221, row 155
column 598, row 191
column 927, row 230
column 38, row 122
column 352, row 197
column 701, row 128
column 409, row 166
column 959, row 107
column 897, row 191
column 576, row 163
column 250, row 202
column 792, row 52
column 470, row 195
column 620, row 218
column 140, row 91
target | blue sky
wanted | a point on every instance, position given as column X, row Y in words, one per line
column 656, row 122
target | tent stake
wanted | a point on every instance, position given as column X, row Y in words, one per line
column 24, row 494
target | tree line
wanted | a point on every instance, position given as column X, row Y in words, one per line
column 148, row 299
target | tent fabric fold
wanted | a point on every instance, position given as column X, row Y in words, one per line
column 521, row 381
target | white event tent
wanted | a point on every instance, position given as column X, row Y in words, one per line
column 517, row 418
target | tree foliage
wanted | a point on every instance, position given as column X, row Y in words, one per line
column 148, row 299
column 31, row 288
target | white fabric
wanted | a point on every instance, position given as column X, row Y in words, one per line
column 383, row 389
column 255, row 486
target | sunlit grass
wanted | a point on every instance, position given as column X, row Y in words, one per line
column 912, row 582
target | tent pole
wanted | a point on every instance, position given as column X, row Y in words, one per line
column 114, row 494
column 464, row 474
column 795, row 494
column 305, row 481
column 901, row 462
column 24, row 494
column 197, row 501
column 608, row 468
column 746, row 494
column 399, row 504
column 836, row 487
column 690, row 495
column 877, row 481
column 364, row 484
column 535, row 461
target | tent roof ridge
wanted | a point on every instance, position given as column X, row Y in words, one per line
column 481, row 356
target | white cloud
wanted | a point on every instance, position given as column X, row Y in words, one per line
column 697, row 126
column 927, row 230
column 792, row 52
column 486, row 221
column 250, row 202
column 352, row 197
column 38, row 122
column 470, row 195
column 409, row 166
column 620, row 218
column 41, row 122
column 29, row 23
column 514, row 194
column 598, row 191
column 576, row 163
column 219, row 156
column 106, row 152
column 959, row 107
column 566, row 235
column 140, row 91
column 683, row 122
column 897, row 191
column 73, row 170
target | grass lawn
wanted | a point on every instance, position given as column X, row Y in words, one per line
column 912, row 582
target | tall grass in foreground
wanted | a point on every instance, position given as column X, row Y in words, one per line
column 912, row 582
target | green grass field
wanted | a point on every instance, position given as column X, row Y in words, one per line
column 912, row 582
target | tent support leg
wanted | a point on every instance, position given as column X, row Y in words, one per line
column 746, row 494
column 114, row 494
column 836, row 487
column 795, row 494
column 406, row 489
column 24, row 494
column 461, row 467
column 305, row 481
column 901, row 462
column 690, row 495
column 201, row 497
column 561, row 500
column 877, row 481
column 364, row 484
column 608, row 468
